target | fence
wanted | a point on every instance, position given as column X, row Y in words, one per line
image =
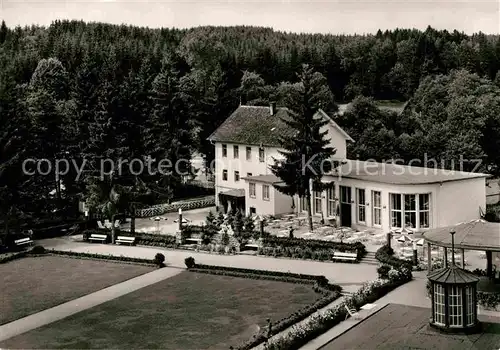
column 168, row 208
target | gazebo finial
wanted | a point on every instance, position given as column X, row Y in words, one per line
column 452, row 233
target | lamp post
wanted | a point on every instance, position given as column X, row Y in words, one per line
column 180, row 219
column 157, row 219
column 452, row 233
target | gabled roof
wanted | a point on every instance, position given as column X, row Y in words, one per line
column 254, row 125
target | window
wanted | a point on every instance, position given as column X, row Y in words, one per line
column 261, row 155
column 224, row 175
column 361, row 203
column 303, row 203
column 236, row 176
column 236, row 152
column 410, row 211
column 439, row 304
column 224, row 150
column 396, row 210
column 423, row 207
column 470, row 305
column 345, row 195
column 251, row 190
column 253, row 211
column 317, row 202
column 249, row 174
column 455, row 306
column 265, row 192
column 330, row 201
column 249, row 153
column 377, row 207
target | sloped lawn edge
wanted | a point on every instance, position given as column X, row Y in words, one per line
column 329, row 293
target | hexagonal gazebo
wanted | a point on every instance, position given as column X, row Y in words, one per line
column 454, row 301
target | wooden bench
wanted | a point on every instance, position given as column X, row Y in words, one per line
column 194, row 240
column 345, row 256
column 252, row 246
column 96, row 237
column 125, row 240
column 23, row 241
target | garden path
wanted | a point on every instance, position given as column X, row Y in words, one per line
column 349, row 276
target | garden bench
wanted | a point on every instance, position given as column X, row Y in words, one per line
column 125, row 240
column 252, row 246
column 194, row 240
column 345, row 256
column 23, row 241
column 97, row 237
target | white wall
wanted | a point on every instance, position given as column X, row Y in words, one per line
column 337, row 141
column 262, row 207
column 282, row 203
column 493, row 191
column 241, row 164
column 460, row 201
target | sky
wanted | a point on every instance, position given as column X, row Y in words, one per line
column 313, row 16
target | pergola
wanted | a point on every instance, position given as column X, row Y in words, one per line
column 478, row 235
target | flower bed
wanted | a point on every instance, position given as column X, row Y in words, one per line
column 370, row 292
column 329, row 293
column 308, row 248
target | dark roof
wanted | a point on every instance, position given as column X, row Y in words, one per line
column 407, row 327
column 475, row 234
column 401, row 174
column 452, row 275
column 270, row 179
column 254, row 125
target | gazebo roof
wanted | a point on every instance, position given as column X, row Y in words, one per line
column 472, row 235
column 453, row 275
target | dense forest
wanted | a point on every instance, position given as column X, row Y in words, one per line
column 91, row 90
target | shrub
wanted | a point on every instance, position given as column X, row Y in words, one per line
column 159, row 260
column 38, row 249
column 383, row 271
column 190, row 263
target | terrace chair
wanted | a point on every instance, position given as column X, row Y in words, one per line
column 100, row 225
column 353, row 313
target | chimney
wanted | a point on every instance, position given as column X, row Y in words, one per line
column 272, row 108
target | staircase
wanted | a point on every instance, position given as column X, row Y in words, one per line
column 369, row 259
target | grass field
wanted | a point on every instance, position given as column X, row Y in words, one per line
column 188, row 311
column 33, row 284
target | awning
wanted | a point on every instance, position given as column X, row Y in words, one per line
column 238, row 193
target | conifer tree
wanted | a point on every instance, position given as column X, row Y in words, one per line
column 307, row 155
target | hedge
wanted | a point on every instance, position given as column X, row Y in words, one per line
column 370, row 292
column 329, row 292
column 385, row 255
column 13, row 256
column 110, row 257
column 308, row 248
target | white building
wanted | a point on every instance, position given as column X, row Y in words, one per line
column 364, row 194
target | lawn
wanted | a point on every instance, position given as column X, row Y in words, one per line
column 33, row 284
column 188, row 311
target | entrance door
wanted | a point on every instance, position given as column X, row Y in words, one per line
column 345, row 206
